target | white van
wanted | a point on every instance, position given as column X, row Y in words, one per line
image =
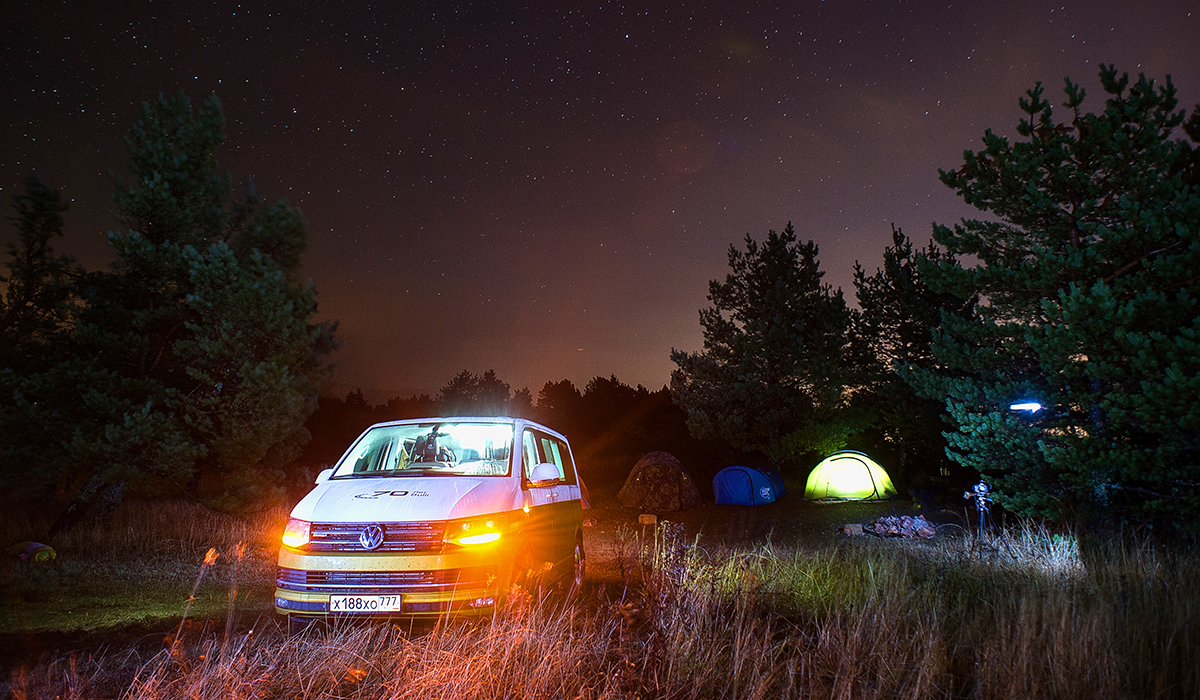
column 433, row 516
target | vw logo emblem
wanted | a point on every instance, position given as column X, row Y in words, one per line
column 371, row 537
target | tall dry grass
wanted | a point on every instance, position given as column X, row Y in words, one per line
column 163, row 540
column 1023, row 616
column 133, row 567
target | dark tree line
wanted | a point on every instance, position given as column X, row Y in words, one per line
column 610, row 424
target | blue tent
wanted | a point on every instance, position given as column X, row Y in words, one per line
column 776, row 480
column 747, row 486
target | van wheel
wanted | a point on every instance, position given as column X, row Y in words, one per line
column 579, row 569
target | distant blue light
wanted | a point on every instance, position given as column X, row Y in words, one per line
column 1031, row 406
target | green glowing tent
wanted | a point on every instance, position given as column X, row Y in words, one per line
column 848, row 476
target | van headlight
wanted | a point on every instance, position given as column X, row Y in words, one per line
column 473, row 532
column 297, row 532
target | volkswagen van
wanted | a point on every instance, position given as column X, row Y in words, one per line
column 433, row 516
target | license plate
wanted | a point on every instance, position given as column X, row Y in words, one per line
column 364, row 603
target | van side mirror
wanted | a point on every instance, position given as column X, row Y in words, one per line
column 323, row 476
column 545, row 474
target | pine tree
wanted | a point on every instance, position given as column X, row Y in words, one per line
column 255, row 363
column 35, row 306
column 1086, row 273
column 194, row 358
column 470, row 394
column 560, row 406
column 898, row 313
column 772, row 375
column 36, row 317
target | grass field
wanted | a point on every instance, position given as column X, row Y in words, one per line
column 722, row 603
column 135, row 566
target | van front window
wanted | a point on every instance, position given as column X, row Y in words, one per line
column 430, row 449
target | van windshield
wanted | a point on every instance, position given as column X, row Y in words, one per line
column 430, row 449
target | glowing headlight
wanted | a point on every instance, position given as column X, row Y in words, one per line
column 473, row 532
column 481, row 538
column 296, row 534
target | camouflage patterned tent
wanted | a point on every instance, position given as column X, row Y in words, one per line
column 658, row 483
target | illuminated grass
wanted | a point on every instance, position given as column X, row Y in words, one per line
column 1024, row 616
column 138, row 564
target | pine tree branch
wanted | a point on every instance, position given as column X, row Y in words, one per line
column 1138, row 261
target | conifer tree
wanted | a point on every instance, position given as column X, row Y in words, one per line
column 772, row 375
column 195, row 356
column 36, row 316
column 560, row 406
column 35, row 305
column 1086, row 271
column 470, row 394
column 898, row 313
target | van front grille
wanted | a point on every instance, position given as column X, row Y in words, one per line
column 398, row 537
column 370, row 582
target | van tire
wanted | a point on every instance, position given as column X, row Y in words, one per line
column 579, row 564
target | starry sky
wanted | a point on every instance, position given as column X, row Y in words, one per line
column 546, row 191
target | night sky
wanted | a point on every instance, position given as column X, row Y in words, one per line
column 547, row 192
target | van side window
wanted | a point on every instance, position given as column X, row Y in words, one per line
column 529, row 453
column 538, row 447
column 556, row 452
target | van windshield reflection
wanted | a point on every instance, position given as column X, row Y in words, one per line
column 430, row 449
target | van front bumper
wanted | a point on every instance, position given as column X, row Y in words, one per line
column 462, row 582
